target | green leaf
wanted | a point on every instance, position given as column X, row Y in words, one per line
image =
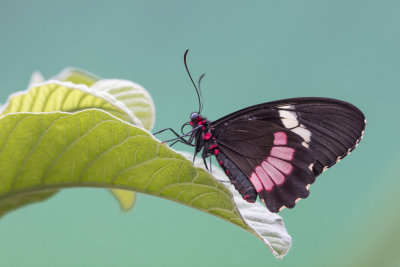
column 135, row 98
column 126, row 199
column 138, row 100
column 133, row 95
column 65, row 96
column 40, row 153
column 77, row 76
column 129, row 94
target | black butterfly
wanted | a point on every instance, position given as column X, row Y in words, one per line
column 276, row 149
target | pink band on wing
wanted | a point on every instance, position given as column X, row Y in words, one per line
column 285, row 153
column 256, row 182
column 280, row 138
column 281, row 165
column 264, row 178
column 275, row 175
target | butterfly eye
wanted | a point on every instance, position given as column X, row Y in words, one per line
column 194, row 116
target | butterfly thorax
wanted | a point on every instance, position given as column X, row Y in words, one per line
column 202, row 135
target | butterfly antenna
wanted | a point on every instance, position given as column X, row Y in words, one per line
column 190, row 76
column 201, row 93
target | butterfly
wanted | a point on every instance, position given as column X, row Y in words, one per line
column 275, row 150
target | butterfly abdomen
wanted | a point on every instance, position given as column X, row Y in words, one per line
column 239, row 180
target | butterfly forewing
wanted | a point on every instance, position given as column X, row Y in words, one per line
column 282, row 146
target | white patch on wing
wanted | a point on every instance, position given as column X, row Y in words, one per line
column 311, row 166
column 305, row 144
column 286, row 107
column 289, row 120
column 303, row 132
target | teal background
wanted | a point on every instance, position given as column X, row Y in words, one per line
column 251, row 53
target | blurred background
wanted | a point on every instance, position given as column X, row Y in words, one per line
column 251, row 52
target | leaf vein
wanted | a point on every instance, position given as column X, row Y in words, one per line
column 68, row 147
column 37, row 143
column 64, row 100
column 11, row 132
column 46, row 100
column 202, row 195
column 157, row 171
column 91, row 163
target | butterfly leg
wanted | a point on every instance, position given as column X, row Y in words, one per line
column 171, row 130
column 175, row 133
column 167, row 129
column 205, row 163
column 180, row 141
column 179, row 138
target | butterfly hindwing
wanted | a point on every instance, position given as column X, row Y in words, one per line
column 282, row 146
column 273, row 158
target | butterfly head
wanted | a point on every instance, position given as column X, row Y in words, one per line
column 196, row 119
column 194, row 116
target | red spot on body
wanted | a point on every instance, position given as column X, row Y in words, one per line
column 212, row 146
column 216, row 151
column 203, row 127
column 207, row 136
column 246, row 197
column 191, row 123
column 227, row 172
column 220, row 163
column 213, row 138
column 198, row 119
